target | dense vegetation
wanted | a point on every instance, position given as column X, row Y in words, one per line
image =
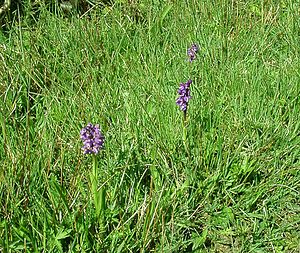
column 225, row 180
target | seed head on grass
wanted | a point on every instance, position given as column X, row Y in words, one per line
column 92, row 139
column 184, row 95
column 192, row 52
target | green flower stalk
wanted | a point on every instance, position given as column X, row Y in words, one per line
column 182, row 101
column 93, row 142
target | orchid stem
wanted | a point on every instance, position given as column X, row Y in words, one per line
column 184, row 126
column 98, row 195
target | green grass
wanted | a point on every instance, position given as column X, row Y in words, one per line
column 233, row 188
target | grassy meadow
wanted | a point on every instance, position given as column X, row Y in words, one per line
column 226, row 180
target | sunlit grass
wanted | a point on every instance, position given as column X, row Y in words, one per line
column 230, row 185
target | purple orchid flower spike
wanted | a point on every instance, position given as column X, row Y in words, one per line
column 92, row 139
column 184, row 95
column 192, row 52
